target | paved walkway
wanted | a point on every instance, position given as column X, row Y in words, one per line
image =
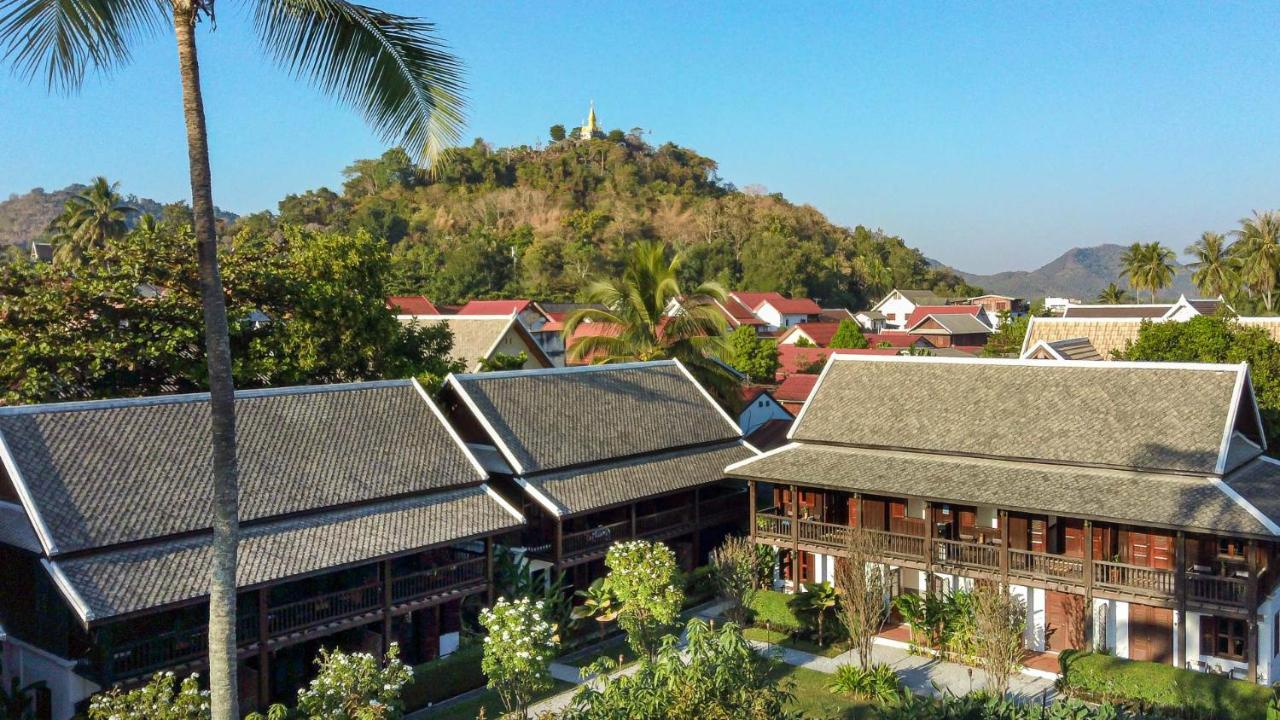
column 922, row 675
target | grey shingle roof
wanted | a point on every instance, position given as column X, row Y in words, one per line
column 1257, row 482
column 550, row 419
column 1117, row 311
column 1117, row 495
column 103, row 473
column 128, row 580
column 1152, row 416
column 600, row 486
column 16, row 530
column 1076, row 349
column 953, row 324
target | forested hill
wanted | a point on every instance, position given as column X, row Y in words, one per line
column 540, row 222
column 25, row 217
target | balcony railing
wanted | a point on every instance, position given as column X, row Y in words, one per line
column 813, row 532
column 772, row 525
column 964, row 554
column 141, row 656
column 896, row 545
column 1217, row 590
column 325, row 609
column 436, row 581
column 595, row 538
column 1133, row 578
column 1045, row 566
column 666, row 520
column 724, row 505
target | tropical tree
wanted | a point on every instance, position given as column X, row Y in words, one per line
column 645, row 579
column 598, row 604
column 519, row 645
column 1148, row 267
column 640, row 328
column 389, row 66
column 816, row 601
column 848, row 335
column 1113, row 294
column 1215, row 268
column 735, row 567
column 90, row 219
column 1257, row 250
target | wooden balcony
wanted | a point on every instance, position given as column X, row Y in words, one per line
column 664, row 523
column 668, row 522
column 954, row 553
column 597, row 538
column 1134, row 579
column 1218, row 590
column 1046, row 566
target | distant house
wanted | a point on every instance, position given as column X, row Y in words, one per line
column 816, row 333
column 412, row 305
column 530, row 315
column 870, row 320
column 998, row 306
column 952, row 330
column 1058, row 305
column 780, row 312
column 477, row 338
column 835, row 315
column 1134, row 311
column 41, row 252
column 758, row 407
column 976, row 311
column 794, row 391
column 603, row 453
column 898, row 305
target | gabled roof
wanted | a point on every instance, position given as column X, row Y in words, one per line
column 923, row 311
column 1150, row 312
column 1069, row 349
column 1106, row 335
column 791, row 306
column 494, row 307
column 736, row 313
column 101, row 473
column 771, row 434
column 870, row 314
column 897, row 339
column 1165, row 417
column 560, row 311
column 476, row 337
column 820, row 333
column 1198, row 306
column 915, row 297
column 835, row 315
column 949, row 324
column 545, row 420
column 412, row 305
column 752, row 300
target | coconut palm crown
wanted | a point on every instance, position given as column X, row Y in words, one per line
column 646, row 316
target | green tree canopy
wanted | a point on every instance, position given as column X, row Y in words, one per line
column 752, row 355
column 848, row 335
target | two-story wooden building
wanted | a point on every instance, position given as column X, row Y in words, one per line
column 364, row 520
column 596, row 454
column 1129, row 504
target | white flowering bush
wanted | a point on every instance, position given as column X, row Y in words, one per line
column 160, row 699
column 355, row 687
column 645, row 579
column 519, row 646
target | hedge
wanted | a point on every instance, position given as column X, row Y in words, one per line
column 1160, row 688
column 442, row 679
column 772, row 607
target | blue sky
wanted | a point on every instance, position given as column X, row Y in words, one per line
column 993, row 136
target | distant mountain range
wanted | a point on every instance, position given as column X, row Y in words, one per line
column 24, row 217
column 1079, row 273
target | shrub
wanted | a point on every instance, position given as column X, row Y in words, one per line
column 984, row 706
column 699, row 586
column 445, row 677
column 772, row 608
column 733, row 565
column 518, row 649
column 160, row 699
column 1160, row 688
column 355, row 685
column 878, row 683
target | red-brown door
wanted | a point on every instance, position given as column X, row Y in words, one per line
column 1064, row 621
column 873, row 514
column 853, row 512
column 1150, row 633
column 1018, row 532
column 1072, row 537
column 1038, row 535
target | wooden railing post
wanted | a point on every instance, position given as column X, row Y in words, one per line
column 1002, row 517
column 557, row 549
column 1251, row 606
column 633, row 520
column 386, row 607
column 1180, row 598
column 264, row 657
column 928, row 547
column 751, row 509
column 1088, row 585
column 795, row 539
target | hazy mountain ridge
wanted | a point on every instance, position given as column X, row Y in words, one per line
column 25, row 217
column 1079, row 273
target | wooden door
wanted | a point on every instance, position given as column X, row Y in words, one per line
column 1072, row 537
column 1103, row 548
column 1162, row 550
column 1137, row 547
column 1064, row 621
column 1018, row 531
column 873, row 514
column 1150, row 633
column 1038, row 529
column 853, row 512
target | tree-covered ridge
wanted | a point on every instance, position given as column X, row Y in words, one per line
column 541, row 221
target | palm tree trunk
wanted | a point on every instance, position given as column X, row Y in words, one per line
column 223, row 689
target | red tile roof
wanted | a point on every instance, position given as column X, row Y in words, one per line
column 922, row 311
column 792, row 359
column 895, row 339
column 796, row 388
column 793, row 306
column 820, row 332
column 494, row 307
column 751, row 392
column 752, row 300
column 412, row 305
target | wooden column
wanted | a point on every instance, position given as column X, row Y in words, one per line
column 751, row 510
column 1180, row 598
column 633, row 520
column 795, row 539
column 1251, row 605
column 1002, row 517
column 855, row 519
column 557, row 543
column 697, row 526
column 488, row 570
column 929, row 530
column 264, row 656
column 1088, row 584
column 386, row 606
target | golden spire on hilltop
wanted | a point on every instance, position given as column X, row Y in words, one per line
column 591, row 129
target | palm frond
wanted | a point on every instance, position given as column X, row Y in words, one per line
column 391, row 67
column 62, row 39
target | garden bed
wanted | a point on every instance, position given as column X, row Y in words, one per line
column 1161, row 688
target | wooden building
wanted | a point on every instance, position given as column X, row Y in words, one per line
column 1130, row 505
column 364, row 520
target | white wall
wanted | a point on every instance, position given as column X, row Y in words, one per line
column 896, row 310
column 762, row 409
column 30, row 665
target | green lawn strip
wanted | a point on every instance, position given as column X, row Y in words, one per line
column 786, row 640
column 814, row 700
column 469, row 709
column 1100, row 677
column 444, row 678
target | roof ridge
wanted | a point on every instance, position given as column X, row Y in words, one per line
column 1111, row 365
column 568, row 370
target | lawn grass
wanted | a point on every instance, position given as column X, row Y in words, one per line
column 776, row 637
column 814, row 700
column 470, row 708
column 1095, row 676
column 771, row 607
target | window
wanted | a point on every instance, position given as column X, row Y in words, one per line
column 1222, row 637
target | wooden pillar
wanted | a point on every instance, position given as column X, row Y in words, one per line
column 856, row 519
column 697, row 527
column 1002, row 517
column 751, row 510
column 386, row 606
column 488, row 570
column 264, row 656
column 633, row 520
column 1251, row 605
column 795, row 539
column 557, row 549
column 1089, row 630
column 1180, row 598
column 929, row 530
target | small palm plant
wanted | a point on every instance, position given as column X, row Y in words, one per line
column 598, row 604
column 878, row 683
column 818, row 599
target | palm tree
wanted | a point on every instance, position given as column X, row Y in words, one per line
column 1131, row 264
column 1258, row 253
column 819, row 599
column 635, row 323
column 1148, row 267
column 389, row 66
column 1113, row 294
column 90, row 219
column 1215, row 268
